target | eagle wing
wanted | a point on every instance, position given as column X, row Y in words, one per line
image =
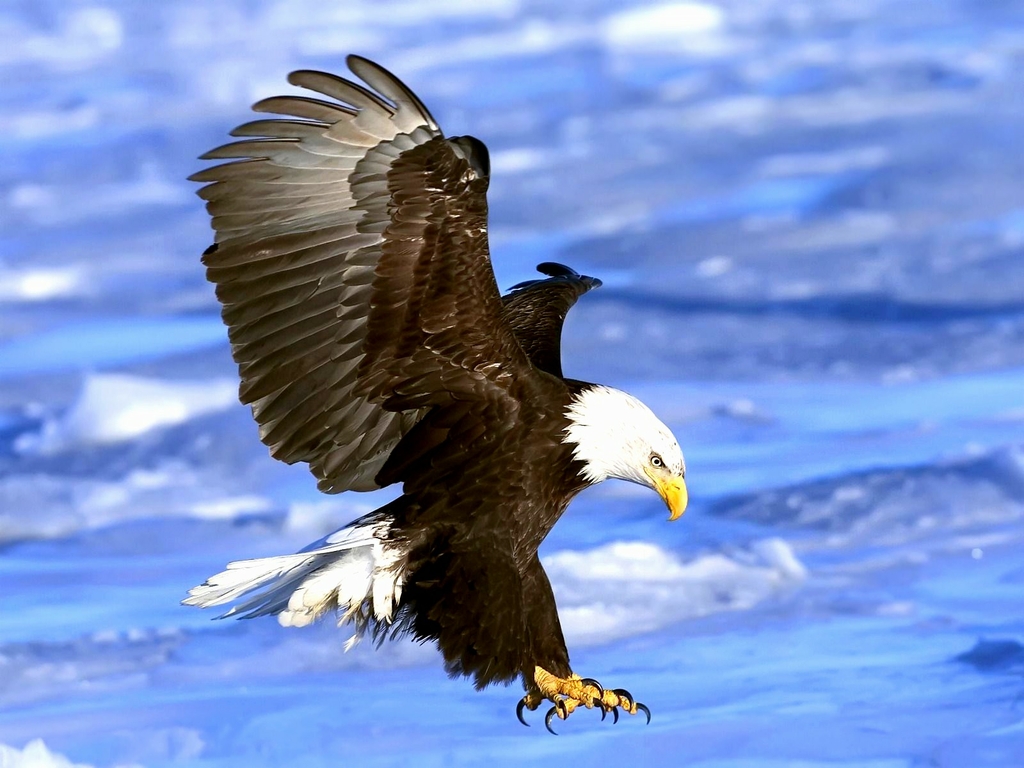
column 351, row 260
column 536, row 310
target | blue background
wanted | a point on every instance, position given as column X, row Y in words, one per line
column 809, row 218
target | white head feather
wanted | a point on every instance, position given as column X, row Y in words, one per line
column 616, row 435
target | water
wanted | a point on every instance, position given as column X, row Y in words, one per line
column 809, row 221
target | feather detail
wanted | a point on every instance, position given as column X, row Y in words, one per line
column 355, row 572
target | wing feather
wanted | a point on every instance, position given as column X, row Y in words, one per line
column 343, row 90
column 390, row 86
column 350, row 259
column 311, row 131
column 536, row 311
column 304, row 107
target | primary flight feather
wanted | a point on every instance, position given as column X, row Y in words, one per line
column 372, row 342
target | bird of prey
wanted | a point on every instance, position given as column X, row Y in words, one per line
column 373, row 344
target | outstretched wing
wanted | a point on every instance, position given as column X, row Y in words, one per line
column 536, row 310
column 351, row 259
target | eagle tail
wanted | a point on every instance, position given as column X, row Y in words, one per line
column 353, row 572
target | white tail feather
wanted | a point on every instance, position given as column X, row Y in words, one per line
column 355, row 573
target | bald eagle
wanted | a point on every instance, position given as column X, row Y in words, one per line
column 352, row 262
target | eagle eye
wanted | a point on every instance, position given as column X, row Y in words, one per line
column 656, row 461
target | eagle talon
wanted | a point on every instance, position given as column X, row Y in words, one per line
column 594, row 684
column 568, row 694
column 549, row 717
column 563, row 710
column 625, row 700
column 519, row 711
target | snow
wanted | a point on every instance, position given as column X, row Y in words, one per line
column 50, row 206
column 669, row 28
column 113, row 407
column 827, row 163
column 808, row 219
column 84, row 35
column 34, row 755
column 517, row 160
column 625, row 587
column 38, row 284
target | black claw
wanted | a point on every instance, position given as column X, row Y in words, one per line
column 622, row 693
column 604, row 712
column 519, row 711
column 549, row 717
column 615, row 715
column 593, row 682
column 643, row 708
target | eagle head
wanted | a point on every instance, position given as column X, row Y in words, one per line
column 616, row 435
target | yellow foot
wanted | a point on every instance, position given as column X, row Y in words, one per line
column 568, row 693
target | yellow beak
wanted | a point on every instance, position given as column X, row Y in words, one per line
column 673, row 490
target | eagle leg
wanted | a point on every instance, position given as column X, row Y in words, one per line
column 569, row 693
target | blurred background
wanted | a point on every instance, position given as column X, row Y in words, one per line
column 809, row 218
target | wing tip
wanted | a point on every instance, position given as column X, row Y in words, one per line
column 393, row 87
column 354, row 60
column 554, row 270
column 297, row 76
